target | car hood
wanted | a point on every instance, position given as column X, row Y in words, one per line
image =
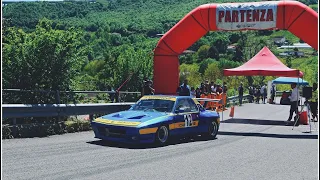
column 134, row 116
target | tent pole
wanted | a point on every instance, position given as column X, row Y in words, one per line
column 222, row 100
column 234, row 102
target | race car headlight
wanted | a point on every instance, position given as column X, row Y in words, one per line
column 148, row 130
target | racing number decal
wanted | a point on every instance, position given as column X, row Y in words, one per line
column 188, row 120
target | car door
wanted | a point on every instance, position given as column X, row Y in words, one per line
column 186, row 120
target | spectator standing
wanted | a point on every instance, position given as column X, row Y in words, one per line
column 294, row 97
column 219, row 89
column 314, row 102
column 147, row 88
column 273, row 93
column 208, row 88
column 212, row 87
column 198, row 93
column 193, row 92
column 251, row 93
column 240, row 91
column 263, row 92
column 202, row 88
column 185, row 89
column 224, row 88
column 258, row 94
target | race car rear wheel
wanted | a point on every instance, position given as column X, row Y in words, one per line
column 162, row 135
column 213, row 129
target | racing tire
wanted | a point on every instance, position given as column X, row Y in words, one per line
column 162, row 135
column 213, row 129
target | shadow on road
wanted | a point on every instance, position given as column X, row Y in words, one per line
column 257, row 122
column 174, row 141
column 288, row 136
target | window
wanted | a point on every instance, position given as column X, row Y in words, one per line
column 187, row 104
column 153, row 105
column 193, row 106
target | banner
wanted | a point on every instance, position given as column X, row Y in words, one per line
column 239, row 16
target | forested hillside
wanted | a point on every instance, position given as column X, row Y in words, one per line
column 97, row 45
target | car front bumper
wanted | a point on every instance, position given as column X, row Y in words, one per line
column 121, row 134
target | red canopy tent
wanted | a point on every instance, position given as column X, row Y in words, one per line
column 265, row 63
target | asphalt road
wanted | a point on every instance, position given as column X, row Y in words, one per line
column 253, row 145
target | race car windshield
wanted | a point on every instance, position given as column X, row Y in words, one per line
column 154, row 105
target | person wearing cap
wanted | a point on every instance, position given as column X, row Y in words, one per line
column 147, row 88
column 294, row 97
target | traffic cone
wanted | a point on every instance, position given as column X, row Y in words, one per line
column 231, row 111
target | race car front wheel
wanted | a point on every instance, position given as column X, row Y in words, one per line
column 213, row 129
column 162, row 135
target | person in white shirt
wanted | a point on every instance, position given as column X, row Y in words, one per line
column 213, row 87
column 294, row 97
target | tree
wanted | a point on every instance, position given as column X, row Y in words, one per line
column 203, row 52
column 130, row 62
column 213, row 53
column 187, row 58
column 234, row 37
column 238, row 55
column 46, row 59
column 212, row 73
column 190, row 72
column 204, row 64
column 220, row 41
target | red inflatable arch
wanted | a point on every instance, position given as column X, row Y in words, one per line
column 293, row 16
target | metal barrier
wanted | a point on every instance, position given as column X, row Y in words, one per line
column 117, row 97
column 47, row 110
column 234, row 98
column 14, row 111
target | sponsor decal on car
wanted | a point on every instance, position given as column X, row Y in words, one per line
column 116, row 123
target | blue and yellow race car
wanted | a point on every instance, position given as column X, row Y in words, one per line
column 157, row 118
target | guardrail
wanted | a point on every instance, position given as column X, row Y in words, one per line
column 114, row 96
column 14, row 111
column 49, row 110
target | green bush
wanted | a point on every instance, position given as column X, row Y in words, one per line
column 104, row 97
column 77, row 126
column 6, row 132
column 44, row 129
